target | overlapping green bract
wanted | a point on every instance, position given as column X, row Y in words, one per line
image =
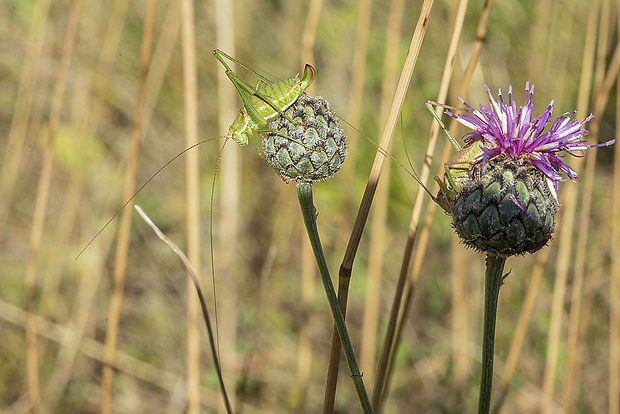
column 508, row 209
column 501, row 189
column 312, row 147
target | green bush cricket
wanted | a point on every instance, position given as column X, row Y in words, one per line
column 457, row 170
column 261, row 104
column 264, row 102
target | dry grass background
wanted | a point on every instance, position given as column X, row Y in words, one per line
column 79, row 79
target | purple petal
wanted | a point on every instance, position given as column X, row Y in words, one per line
column 506, row 129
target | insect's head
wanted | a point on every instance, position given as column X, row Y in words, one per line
column 239, row 130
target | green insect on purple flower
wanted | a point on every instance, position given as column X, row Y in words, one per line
column 501, row 189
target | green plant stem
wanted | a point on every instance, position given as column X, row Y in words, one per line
column 492, row 283
column 304, row 193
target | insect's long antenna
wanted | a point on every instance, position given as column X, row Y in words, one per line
column 140, row 189
column 413, row 174
column 402, row 133
column 217, row 167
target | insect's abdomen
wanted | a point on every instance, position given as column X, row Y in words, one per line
column 280, row 94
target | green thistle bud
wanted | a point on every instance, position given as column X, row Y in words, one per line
column 312, row 147
column 506, row 209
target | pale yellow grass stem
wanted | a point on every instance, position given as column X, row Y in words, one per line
column 228, row 253
column 565, row 231
column 614, row 294
column 120, row 261
column 308, row 37
column 386, row 138
column 518, row 338
column 19, row 122
column 162, row 56
column 379, row 231
column 192, row 173
column 460, row 320
column 392, row 334
column 38, row 221
column 384, row 143
column 572, row 381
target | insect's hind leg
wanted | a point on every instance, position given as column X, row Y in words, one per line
column 246, row 90
column 429, row 106
column 221, row 55
column 269, row 101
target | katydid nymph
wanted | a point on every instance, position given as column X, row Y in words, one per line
column 457, row 170
column 263, row 103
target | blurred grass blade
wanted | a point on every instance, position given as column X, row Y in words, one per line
column 120, row 259
column 190, row 99
column 227, row 311
column 38, row 220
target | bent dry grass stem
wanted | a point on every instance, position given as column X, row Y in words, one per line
column 203, row 304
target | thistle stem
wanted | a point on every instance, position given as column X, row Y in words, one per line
column 304, row 193
column 492, row 283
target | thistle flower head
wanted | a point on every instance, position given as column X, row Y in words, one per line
column 312, row 147
column 505, row 129
column 501, row 188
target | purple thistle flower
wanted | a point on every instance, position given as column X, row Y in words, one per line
column 504, row 129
